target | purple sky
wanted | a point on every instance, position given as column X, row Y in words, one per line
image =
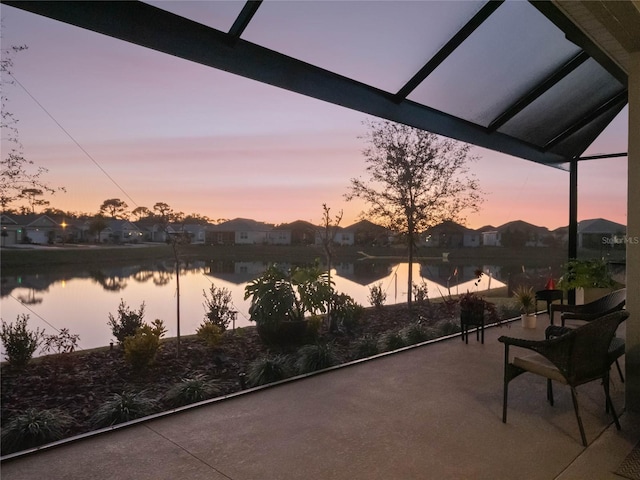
column 205, row 141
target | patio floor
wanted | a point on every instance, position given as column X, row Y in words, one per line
column 431, row 412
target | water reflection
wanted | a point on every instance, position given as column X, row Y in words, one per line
column 81, row 300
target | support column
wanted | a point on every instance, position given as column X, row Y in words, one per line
column 632, row 358
column 573, row 220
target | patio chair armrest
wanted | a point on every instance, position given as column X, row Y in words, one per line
column 562, row 308
column 553, row 331
column 521, row 342
column 555, row 349
column 588, row 317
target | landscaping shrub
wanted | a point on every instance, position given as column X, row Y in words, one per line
column 366, row 346
column 218, row 307
column 377, row 296
column 316, row 357
column 391, row 341
column 314, row 325
column 268, row 369
column 414, row 333
column 448, row 327
column 32, row 428
column 123, row 408
column 140, row 349
column 63, row 342
column 191, row 390
column 127, row 322
column 210, row 333
column 19, row 342
column 346, row 312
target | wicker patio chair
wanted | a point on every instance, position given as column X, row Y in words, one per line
column 579, row 356
column 607, row 304
column 611, row 302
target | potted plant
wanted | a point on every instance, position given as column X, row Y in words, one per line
column 589, row 278
column 525, row 298
column 281, row 300
column 472, row 312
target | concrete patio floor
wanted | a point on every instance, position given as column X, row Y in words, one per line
column 431, row 412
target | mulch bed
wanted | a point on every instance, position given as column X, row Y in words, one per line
column 78, row 383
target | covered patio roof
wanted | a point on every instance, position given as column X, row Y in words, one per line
column 512, row 76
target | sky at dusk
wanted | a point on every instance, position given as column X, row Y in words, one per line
column 208, row 142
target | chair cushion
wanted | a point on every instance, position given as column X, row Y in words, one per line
column 540, row 366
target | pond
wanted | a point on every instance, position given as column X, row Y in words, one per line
column 81, row 300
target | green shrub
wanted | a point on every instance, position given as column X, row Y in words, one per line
column 448, row 327
column 377, row 296
column 123, row 408
column 191, row 390
column 218, row 307
column 414, row 333
column 314, row 325
column 391, row 341
column 268, row 369
column 32, row 428
column 366, row 346
column 127, row 322
column 140, row 349
column 19, row 342
column 316, row 357
column 63, row 342
column 346, row 312
column 210, row 333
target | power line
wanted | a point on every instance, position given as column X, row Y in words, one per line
column 74, row 140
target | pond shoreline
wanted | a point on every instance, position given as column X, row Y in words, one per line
column 13, row 259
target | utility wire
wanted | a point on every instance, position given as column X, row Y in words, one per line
column 74, row 140
column 39, row 316
column 32, row 311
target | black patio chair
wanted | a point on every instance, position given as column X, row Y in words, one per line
column 579, row 356
column 609, row 303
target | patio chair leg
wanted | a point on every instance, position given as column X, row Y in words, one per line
column 609, row 403
column 504, row 401
column 549, row 392
column 574, row 397
column 619, row 371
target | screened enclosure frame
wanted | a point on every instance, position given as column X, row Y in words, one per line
column 544, row 93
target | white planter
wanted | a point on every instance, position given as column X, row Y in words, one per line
column 528, row 320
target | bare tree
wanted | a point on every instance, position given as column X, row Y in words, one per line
column 416, row 179
column 17, row 174
column 175, row 237
column 328, row 232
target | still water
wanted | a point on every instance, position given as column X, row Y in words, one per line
column 81, row 300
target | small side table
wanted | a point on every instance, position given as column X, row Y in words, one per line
column 549, row 296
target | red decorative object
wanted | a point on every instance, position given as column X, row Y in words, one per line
column 550, row 284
